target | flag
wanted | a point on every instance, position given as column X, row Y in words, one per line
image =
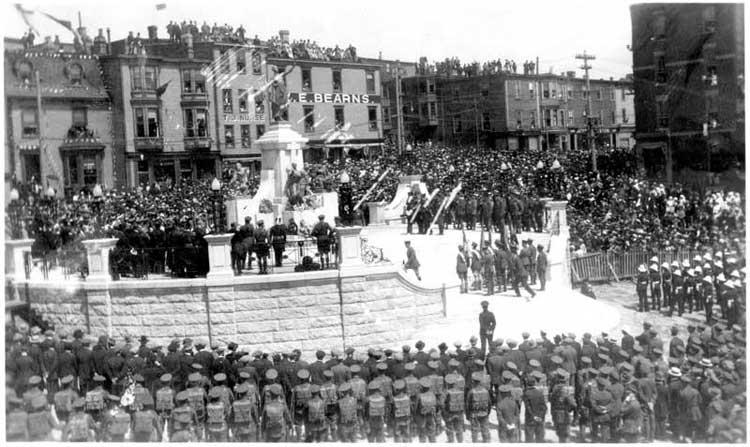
column 160, row 91
column 66, row 24
column 25, row 14
column 161, row 6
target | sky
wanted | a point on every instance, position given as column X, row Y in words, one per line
column 472, row 30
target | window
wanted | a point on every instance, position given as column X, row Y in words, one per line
column 336, row 80
column 531, row 90
column 430, row 86
column 517, row 88
column 585, row 94
column 433, row 110
column 659, row 25
column 90, row 173
column 553, row 88
column 661, row 69
column 372, row 118
column 257, row 62
column 570, row 93
column 624, row 115
column 79, row 117
column 455, row 92
column 423, row 87
column 306, row 80
column 601, row 118
column 147, row 122
column 485, row 90
column 142, row 172
column 599, row 94
column 554, row 117
column 712, row 77
column 75, row 74
column 486, row 121
column 226, row 99
column 137, row 78
column 29, row 123
column 387, row 116
column 260, row 129
column 532, row 119
column 423, row 111
column 186, row 170
column 224, row 64
column 25, row 71
column 196, row 121
column 150, row 79
column 242, row 100
column 309, row 113
column 229, row 136
column 519, row 117
column 370, row 81
column 613, row 117
column 245, row 135
column 240, row 59
column 338, row 113
column 662, row 119
column 562, row 118
column 187, row 81
column 457, row 124
column 545, row 90
column 571, row 117
column 547, row 118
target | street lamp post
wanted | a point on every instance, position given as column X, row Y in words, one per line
column 16, row 230
column 216, row 203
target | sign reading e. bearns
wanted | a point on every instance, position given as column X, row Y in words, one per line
column 334, row 98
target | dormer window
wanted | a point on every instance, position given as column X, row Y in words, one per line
column 25, row 71
column 75, row 74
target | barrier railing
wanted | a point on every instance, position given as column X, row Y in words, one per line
column 58, row 264
column 606, row 266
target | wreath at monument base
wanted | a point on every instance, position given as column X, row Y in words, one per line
column 308, row 202
column 265, row 207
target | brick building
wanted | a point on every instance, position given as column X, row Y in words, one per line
column 69, row 145
column 688, row 63
column 511, row 111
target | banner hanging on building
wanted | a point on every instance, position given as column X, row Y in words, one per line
column 333, row 98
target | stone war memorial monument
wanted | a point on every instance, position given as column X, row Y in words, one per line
column 357, row 305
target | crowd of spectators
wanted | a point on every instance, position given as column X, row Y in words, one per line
column 305, row 49
column 454, row 67
column 215, row 33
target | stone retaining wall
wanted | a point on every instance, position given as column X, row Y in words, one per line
column 330, row 309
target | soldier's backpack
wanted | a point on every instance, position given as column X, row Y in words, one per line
column 302, row 394
column 63, row 402
column 438, row 383
column 328, row 393
column 15, row 424
column 455, row 400
column 197, row 401
column 164, row 399
column 412, row 385
column 120, row 424
column 141, row 397
column 242, row 409
column 427, row 403
column 39, row 423
column 376, row 406
column 316, row 410
column 142, row 422
column 78, row 428
column 401, row 406
column 95, row 400
column 181, row 418
column 274, row 416
column 480, row 400
column 215, row 413
column 348, row 410
column 359, row 389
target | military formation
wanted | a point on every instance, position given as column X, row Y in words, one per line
column 642, row 388
column 712, row 283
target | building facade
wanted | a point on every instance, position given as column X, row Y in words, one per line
column 688, row 64
column 58, row 120
column 510, row 111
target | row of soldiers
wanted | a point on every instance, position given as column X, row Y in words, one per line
column 610, row 390
column 709, row 280
column 515, row 211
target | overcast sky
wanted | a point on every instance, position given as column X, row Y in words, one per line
column 472, row 30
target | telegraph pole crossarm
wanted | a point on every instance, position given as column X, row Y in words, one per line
column 590, row 131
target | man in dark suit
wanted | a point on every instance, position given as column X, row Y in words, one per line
column 411, row 260
column 462, row 267
column 541, row 266
column 261, row 247
column 519, row 274
column 322, row 233
column 487, row 325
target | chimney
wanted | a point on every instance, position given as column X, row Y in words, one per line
column 188, row 39
column 284, row 35
column 100, row 44
column 152, row 33
column 611, row 78
column 571, row 74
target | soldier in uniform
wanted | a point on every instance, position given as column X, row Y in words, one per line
column 460, row 208
column 508, row 415
column 40, row 420
column 244, row 415
column 536, row 410
column 426, row 408
column 707, row 297
column 402, row 413
column 471, row 212
column 301, row 394
column 316, row 425
column 488, row 268
column 81, row 426
column 375, row 412
column 690, row 409
column 95, row 399
column 601, row 405
column 666, row 284
column 541, row 267
column 275, row 420
column 165, row 398
column 146, row 427
column 328, row 393
column 322, row 233
column 347, row 414
column 183, row 423
column 561, row 405
column 655, row 279
column 247, row 233
column 16, row 421
column 261, row 247
column 64, row 399
column 478, row 409
column 454, row 410
column 631, row 417
column 116, row 421
column 278, row 240
column 641, row 288
column 677, row 293
column 359, row 392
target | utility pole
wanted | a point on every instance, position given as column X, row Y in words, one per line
column 586, row 67
column 476, row 121
column 399, row 110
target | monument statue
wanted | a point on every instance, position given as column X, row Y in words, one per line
column 277, row 95
column 296, row 184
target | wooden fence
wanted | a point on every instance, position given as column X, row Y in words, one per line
column 607, row 266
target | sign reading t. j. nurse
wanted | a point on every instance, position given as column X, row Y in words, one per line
column 334, row 98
